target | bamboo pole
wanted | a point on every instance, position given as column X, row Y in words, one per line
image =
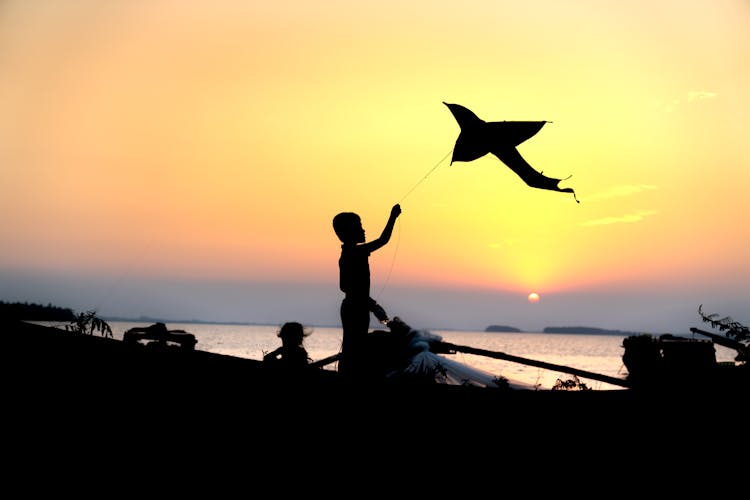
column 724, row 341
column 325, row 361
column 531, row 362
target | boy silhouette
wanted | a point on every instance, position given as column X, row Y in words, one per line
column 354, row 281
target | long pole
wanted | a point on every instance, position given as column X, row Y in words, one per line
column 724, row 341
column 532, row 362
column 325, row 361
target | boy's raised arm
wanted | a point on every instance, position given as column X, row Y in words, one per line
column 385, row 236
column 395, row 212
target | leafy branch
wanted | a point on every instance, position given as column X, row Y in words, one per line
column 731, row 328
column 87, row 323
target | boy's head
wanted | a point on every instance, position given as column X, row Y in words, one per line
column 348, row 227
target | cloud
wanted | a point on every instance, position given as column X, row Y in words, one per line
column 636, row 217
column 619, row 191
column 692, row 96
column 696, row 95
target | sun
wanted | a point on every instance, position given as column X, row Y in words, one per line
column 533, row 297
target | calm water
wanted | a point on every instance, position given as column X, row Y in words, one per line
column 600, row 354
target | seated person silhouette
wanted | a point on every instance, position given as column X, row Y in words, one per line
column 292, row 354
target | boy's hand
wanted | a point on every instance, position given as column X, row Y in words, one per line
column 395, row 211
column 380, row 313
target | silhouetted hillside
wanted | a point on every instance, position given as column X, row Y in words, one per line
column 35, row 312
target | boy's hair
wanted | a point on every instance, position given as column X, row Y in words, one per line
column 344, row 223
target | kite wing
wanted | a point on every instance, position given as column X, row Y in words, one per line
column 477, row 138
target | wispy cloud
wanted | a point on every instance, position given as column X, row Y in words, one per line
column 619, row 191
column 635, row 217
column 692, row 96
column 696, row 95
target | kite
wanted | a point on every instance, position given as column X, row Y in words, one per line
column 477, row 138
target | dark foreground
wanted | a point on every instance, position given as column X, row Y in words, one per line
column 67, row 391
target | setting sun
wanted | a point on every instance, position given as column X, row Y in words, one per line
column 533, row 297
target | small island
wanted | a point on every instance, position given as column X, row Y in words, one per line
column 502, row 328
column 580, row 330
column 586, row 330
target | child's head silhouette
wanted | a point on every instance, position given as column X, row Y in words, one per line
column 292, row 333
column 348, row 227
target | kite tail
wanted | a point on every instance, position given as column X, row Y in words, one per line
column 569, row 190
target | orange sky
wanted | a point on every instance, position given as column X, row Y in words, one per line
column 216, row 140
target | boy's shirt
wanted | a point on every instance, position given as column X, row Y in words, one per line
column 354, row 272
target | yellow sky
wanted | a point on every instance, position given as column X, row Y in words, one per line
column 218, row 138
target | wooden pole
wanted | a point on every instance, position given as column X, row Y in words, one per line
column 724, row 341
column 325, row 361
column 541, row 364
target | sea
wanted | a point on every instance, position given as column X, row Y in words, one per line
column 597, row 353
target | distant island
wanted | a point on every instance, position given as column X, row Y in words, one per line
column 151, row 319
column 502, row 328
column 581, row 330
column 586, row 330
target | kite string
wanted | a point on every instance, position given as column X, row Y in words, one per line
column 398, row 236
column 426, row 175
column 393, row 261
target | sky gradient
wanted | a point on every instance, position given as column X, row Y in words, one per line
column 184, row 159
